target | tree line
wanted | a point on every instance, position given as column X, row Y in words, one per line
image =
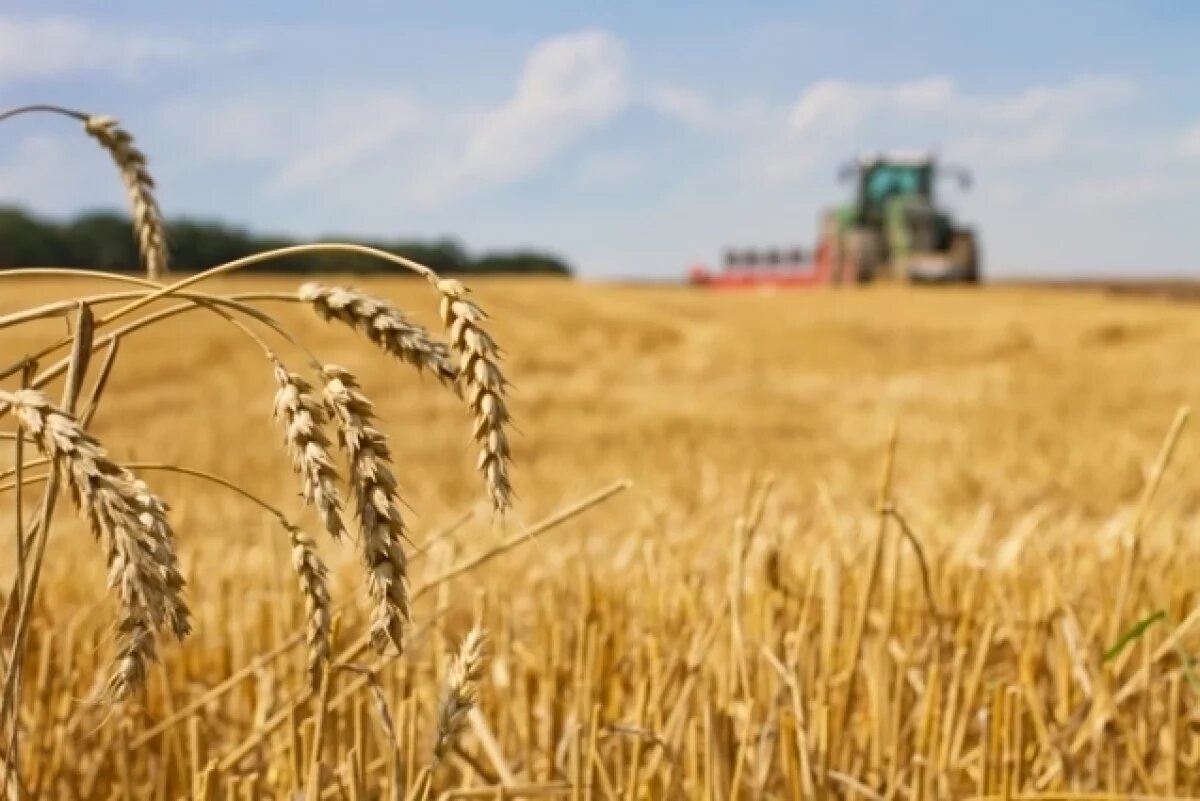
column 103, row 240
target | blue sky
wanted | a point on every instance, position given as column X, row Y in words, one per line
column 632, row 138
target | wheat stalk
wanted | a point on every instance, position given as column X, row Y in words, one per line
column 483, row 383
column 382, row 323
column 303, row 417
column 382, row 528
column 142, row 565
column 139, row 184
column 314, row 586
column 460, row 691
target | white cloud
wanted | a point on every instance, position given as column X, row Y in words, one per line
column 833, row 106
column 1041, row 122
column 1073, row 98
column 305, row 135
column 1189, row 143
column 838, row 107
column 1117, row 193
column 609, row 170
column 362, row 137
column 830, row 106
column 48, row 47
column 234, row 127
column 681, row 104
column 1004, row 194
column 1033, row 125
column 1014, row 147
column 830, row 120
column 570, row 85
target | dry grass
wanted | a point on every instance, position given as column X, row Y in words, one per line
column 750, row 620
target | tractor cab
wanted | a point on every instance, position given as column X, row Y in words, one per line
column 882, row 178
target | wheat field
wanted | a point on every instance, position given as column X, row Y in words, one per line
column 870, row 544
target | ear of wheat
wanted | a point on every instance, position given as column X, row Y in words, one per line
column 383, row 324
column 460, row 691
column 143, row 568
column 131, row 162
column 381, row 526
column 303, row 416
column 313, row 576
column 484, row 385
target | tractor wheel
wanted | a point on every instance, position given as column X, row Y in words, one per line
column 965, row 251
column 863, row 256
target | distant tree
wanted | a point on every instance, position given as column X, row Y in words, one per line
column 521, row 261
column 104, row 240
column 195, row 245
column 26, row 241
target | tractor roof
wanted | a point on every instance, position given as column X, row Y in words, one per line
column 913, row 158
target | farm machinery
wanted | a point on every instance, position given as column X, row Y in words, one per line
column 892, row 229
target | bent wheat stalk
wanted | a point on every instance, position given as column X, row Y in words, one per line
column 143, row 567
column 460, row 692
column 139, row 184
column 483, row 384
column 303, row 417
column 306, row 562
column 131, row 162
column 382, row 528
column 213, row 272
column 314, row 586
column 382, row 323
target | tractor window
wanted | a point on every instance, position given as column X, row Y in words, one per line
column 885, row 182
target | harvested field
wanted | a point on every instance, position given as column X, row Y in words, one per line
column 740, row 585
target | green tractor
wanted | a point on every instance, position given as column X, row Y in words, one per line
column 893, row 229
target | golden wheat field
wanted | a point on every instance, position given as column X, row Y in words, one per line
column 842, row 544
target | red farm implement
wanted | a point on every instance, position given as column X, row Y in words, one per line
column 791, row 268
